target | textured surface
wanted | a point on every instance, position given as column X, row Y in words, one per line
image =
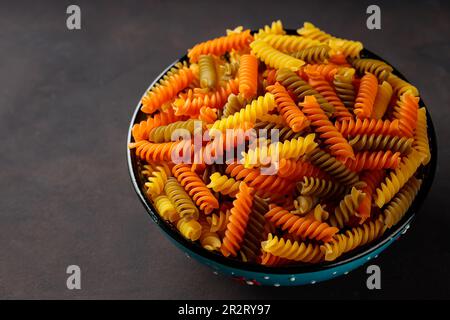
column 65, row 102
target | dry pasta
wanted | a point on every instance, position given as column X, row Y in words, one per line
column 308, row 148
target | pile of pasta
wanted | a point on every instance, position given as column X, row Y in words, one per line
column 352, row 138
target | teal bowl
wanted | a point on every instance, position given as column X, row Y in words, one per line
column 252, row 274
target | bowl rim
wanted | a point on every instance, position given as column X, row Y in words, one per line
column 428, row 171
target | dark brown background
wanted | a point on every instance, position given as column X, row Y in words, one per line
column 66, row 98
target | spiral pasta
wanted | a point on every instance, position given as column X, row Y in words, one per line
column 352, row 239
column 376, row 142
column 303, row 204
column 209, row 240
column 368, row 126
column 401, row 86
column 207, row 115
column 326, row 70
column 338, row 58
column 191, row 104
column 372, row 160
column 256, row 230
column 239, row 215
column 306, row 228
column 318, row 213
column 297, row 251
column 207, row 71
column 157, row 179
column 372, row 179
column 268, row 259
column 288, row 44
column 263, row 184
column 295, row 119
column 421, row 136
column 274, row 118
column 301, row 89
column 166, row 209
column 218, row 222
column 152, row 152
column 283, row 132
column 397, row 178
column 274, row 58
column 164, row 133
column 267, row 78
column 328, row 133
column 333, row 167
column 195, row 187
column 147, row 171
column 379, row 68
column 180, row 199
column 321, row 188
column 366, row 96
column 290, row 149
column 223, row 184
column 233, row 105
column 254, row 110
column 141, row 130
column 248, row 76
column 406, row 112
column 237, row 29
column 315, row 54
column 228, row 71
column 348, row 48
column 189, row 228
column 398, row 206
column 346, row 209
column 312, row 32
column 167, row 88
column 221, row 45
column 343, row 85
column 276, row 27
column 208, row 171
column 297, row 169
column 382, row 100
column 294, row 150
column 322, row 86
column 224, row 143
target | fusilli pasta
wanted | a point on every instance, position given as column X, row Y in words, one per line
column 280, row 149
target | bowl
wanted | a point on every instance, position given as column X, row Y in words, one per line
column 252, row 274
